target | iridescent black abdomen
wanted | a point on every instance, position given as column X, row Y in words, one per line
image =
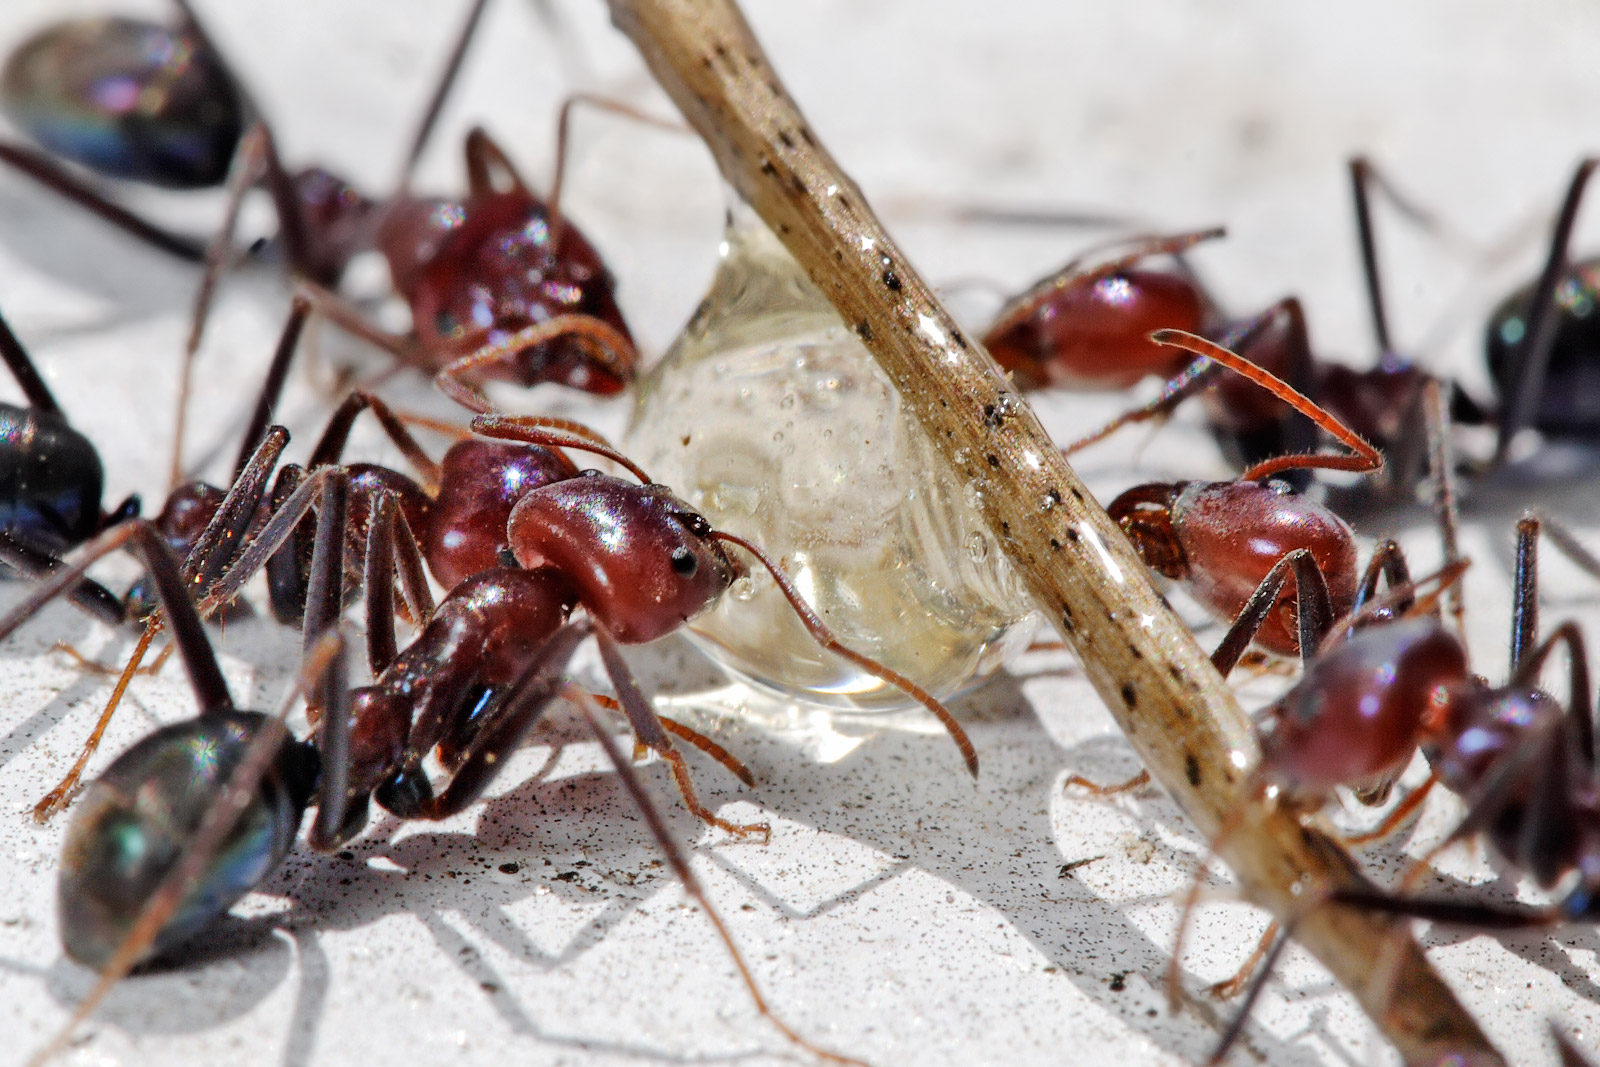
column 133, row 823
column 1569, row 403
column 50, row 480
column 127, row 99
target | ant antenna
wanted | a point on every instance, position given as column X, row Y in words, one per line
column 824, row 637
column 1364, row 458
column 555, row 433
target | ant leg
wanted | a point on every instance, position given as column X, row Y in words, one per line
column 1313, row 609
column 825, row 637
column 272, row 386
column 1580, row 709
column 42, row 169
column 553, row 433
column 378, row 580
column 1095, row 788
column 244, row 173
column 345, row 315
column 680, row 866
column 330, row 447
column 87, row 594
column 205, row 561
column 1361, row 173
column 1363, row 458
column 647, row 728
column 27, row 375
column 563, row 128
column 1388, row 563
column 441, row 90
column 1230, row 1037
column 610, row 347
column 325, row 594
column 1531, row 362
column 1229, row 988
column 1402, row 811
column 1437, row 417
column 1180, row 387
column 1525, row 582
column 504, row 729
column 1255, row 788
column 1450, row 912
column 236, row 794
column 708, row 746
column 684, row 733
column 289, row 569
column 414, row 591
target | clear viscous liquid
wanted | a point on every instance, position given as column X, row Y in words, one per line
column 770, row 417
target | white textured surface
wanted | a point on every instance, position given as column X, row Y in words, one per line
column 899, row 913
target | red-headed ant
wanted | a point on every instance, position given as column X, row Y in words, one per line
column 196, row 815
column 500, row 266
column 1522, row 760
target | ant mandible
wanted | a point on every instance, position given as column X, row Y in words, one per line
column 136, row 881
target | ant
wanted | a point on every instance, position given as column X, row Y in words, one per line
column 1224, row 539
column 500, row 265
column 1092, row 325
column 468, row 520
column 1523, row 761
column 152, row 858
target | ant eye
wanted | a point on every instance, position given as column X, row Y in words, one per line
column 696, row 524
column 684, row 562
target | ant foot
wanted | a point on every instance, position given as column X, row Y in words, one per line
column 96, row 667
column 744, row 829
column 1138, row 780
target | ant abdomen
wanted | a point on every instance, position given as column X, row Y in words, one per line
column 127, row 99
column 51, row 480
column 135, row 820
column 1092, row 331
column 1355, row 717
column 1567, row 404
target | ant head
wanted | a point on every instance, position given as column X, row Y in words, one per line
column 339, row 222
column 480, row 270
column 1092, row 330
column 1145, row 515
column 642, row 560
